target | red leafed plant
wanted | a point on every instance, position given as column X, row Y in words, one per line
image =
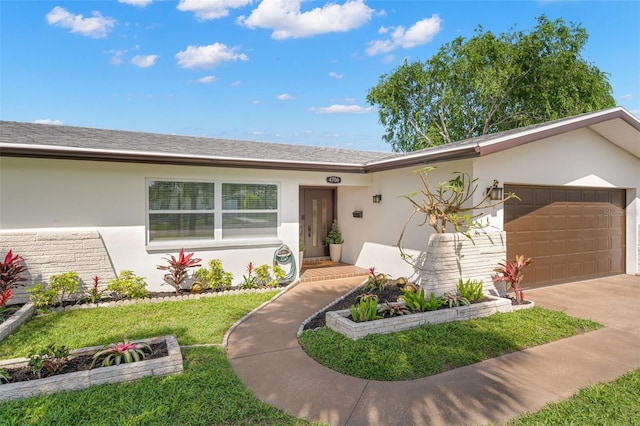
column 10, row 270
column 4, row 296
column 511, row 272
column 178, row 268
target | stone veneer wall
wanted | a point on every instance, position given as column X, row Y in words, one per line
column 53, row 252
column 453, row 256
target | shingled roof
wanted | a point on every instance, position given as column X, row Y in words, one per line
column 47, row 141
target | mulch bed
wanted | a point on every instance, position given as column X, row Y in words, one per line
column 79, row 363
column 390, row 294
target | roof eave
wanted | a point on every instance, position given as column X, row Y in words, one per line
column 30, row 151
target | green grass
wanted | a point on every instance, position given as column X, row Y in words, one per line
column 432, row 349
column 616, row 403
column 197, row 321
column 207, row 393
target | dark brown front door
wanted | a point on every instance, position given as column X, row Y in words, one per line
column 571, row 233
column 316, row 215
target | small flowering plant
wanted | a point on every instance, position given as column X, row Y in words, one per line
column 375, row 281
column 177, row 268
column 126, row 351
column 94, row 294
column 249, row 280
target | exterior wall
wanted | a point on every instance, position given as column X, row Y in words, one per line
column 54, row 252
column 579, row 158
column 42, row 195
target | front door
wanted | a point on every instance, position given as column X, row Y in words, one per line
column 316, row 215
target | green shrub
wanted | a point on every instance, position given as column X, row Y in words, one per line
column 64, row 284
column 41, row 296
column 264, row 277
column 470, row 290
column 128, row 285
column 215, row 277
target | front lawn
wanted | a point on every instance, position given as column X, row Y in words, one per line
column 432, row 349
column 615, row 403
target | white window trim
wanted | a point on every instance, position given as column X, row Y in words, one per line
column 217, row 242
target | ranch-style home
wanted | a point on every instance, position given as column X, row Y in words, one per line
column 102, row 201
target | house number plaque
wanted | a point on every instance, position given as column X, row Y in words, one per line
column 334, row 179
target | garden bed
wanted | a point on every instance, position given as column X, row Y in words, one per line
column 340, row 322
column 168, row 362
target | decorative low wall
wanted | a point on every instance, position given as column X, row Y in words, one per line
column 338, row 321
column 16, row 320
column 450, row 257
column 53, row 252
column 163, row 366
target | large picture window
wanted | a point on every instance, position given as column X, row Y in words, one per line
column 184, row 210
column 249, row 210
column 181, row 210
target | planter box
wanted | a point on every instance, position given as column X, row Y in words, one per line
column 163, row 366
column 16, row 320
column 338, row 321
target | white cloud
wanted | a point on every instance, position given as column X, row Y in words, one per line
column 144, row 61
column 335, row 75
column 287, row 21
column 96, row 27
column 342, row 109
column 626, row 97
column 206, row 80
column 211, row 9
column 285, row 97
column 235, row 83
column 116, row 56
column 208, row 56
column 49, row 121
column 138, row 3
column 421, row 32
column 256, row 102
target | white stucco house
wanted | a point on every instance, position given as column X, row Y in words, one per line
column 101, row 201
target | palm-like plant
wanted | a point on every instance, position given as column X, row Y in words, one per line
column 177, row 268
column 122, row 352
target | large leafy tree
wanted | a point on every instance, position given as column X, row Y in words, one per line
column 489, row 83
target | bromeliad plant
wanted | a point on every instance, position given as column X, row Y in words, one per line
column 454, row 300
column 388, row 310
column 366, row 309
column 511, row 272
column 375, row 281
column 249, row 280
column 178, row 267
column 470, row 290
column 416, row 301
column 126, row 351
column 10, row 269
column 94, row 294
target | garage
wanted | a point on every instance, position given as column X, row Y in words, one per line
column 572, row 233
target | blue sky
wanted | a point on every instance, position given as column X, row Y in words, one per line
column 286, row 71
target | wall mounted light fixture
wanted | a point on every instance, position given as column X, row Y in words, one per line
column 495, row 192
column 377, row 198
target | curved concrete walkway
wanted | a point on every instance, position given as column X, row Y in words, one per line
column 265, row 353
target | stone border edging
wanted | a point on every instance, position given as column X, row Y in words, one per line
column 338, row 321
column 170, row 364
column 16, row 320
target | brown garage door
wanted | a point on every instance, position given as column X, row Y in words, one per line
column 572, row 233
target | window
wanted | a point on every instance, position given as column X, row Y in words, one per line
column 249, row 210
column 194, row 211
column 181, row 210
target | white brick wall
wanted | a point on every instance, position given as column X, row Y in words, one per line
column 52, row 252
column 452, row 256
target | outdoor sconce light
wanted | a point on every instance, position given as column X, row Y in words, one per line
column 495, row 192
column 377, row 198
